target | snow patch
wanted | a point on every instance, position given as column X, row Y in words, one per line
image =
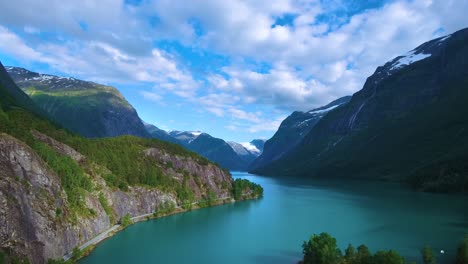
column 408, row 59
column 195, row 133
column 444, row 38
column 323, row 110
column 250, row 147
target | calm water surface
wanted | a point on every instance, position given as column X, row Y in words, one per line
column 272, row 229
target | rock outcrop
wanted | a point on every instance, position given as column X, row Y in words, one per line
column 35, row 219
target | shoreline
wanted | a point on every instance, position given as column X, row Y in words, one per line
column 88, row 247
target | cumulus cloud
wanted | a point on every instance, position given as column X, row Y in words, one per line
column 309, row 60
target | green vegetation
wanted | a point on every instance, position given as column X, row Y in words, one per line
column 71, row 175
column 58, row 261
column 244, row 189
column 323, row 249
column 107, row 208
column 76, row 254
column 210, row 200
column 126, row 220
column 164, row 208
column 462, row 252
column 5, row 258
column 421, row 140
column 428, row 255
column 122, row 157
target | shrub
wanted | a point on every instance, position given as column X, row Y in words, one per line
column 462, row 252
column 428, row 255
column 321, row 249
column 126, row 220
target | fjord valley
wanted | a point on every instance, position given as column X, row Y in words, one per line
column 59, row 190
column 312, row 132
column 408, row 124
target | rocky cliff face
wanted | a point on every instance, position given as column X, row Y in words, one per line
column 35, row 220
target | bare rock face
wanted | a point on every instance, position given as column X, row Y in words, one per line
column 35, row 220
column 201, row 178
column 33, row 214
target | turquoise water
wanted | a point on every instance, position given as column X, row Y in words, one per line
column 272, row 229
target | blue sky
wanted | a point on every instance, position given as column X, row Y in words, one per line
column 232, row 68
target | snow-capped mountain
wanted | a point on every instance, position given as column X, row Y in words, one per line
column 408, row 123
column 86, row 108
column 292, row 130
column 230, row 155
column 185, row 137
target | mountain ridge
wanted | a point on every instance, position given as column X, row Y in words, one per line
column 403, row 125
column 86, row 108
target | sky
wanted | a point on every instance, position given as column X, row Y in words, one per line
column 232, row 68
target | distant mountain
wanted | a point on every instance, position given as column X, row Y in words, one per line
column 185, row 137
column 230, row 155
column 245, row 151
column 217, row 150
column 86, row 108
column 291, row 132
column 258, row 144
column 160, row 134
column 58, row 190
column 408, row 123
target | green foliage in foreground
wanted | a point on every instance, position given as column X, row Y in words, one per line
column 244, row 189
column 323, row 249
column 76, row 254
column 462, row 252
column 126, row 220
column 428, row 255
column 164, row 208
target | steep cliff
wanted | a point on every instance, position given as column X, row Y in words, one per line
column 292, row 131
column 408, row 123
column 59, row 190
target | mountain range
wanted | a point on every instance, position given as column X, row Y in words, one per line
column 292, row 130
column 408, row 123
column 58, row 190
column 94, row 110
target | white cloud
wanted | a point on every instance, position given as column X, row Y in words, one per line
column 309, row 61
column 151, row 96
column 12, row 44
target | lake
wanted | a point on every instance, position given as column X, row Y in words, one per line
column 273, row 228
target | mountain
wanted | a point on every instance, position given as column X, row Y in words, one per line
column 291, row 132
column 258, row 144
column 245, row 151
column 11, row 96
column 86, row 108
column 185, row 137
column 408, row 123
column 217, row 150
column 59, row 190
column 230, row 155
column 160, row 134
